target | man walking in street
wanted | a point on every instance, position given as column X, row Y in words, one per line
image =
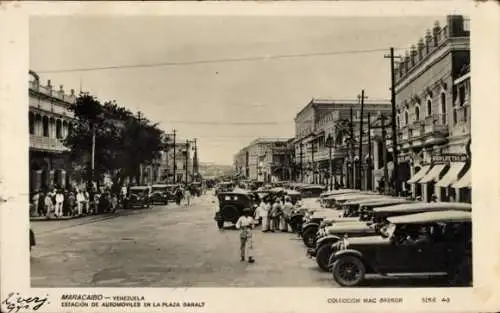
column 80, row 199
column 245, row 224
column 263, row 215
column 187, row 195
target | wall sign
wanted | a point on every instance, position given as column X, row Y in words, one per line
column 445, row 158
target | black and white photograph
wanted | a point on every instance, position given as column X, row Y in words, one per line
column 250, row 151
column 216, row 159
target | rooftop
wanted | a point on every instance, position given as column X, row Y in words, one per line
column 332, row 102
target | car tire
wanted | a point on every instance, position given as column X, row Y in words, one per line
column 323, row 256
column 309, row 237
column 348, row 271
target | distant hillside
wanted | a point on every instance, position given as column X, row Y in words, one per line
column 212, row 169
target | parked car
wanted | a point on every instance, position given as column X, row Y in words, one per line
column 329, row 235
column 224, row 187
column 311, row 191
column 231, row 206
column 437, row 242
column 138, row 196
column 160, row 194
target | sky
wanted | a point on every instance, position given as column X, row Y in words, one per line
column 225, row 105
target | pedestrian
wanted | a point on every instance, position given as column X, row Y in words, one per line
column 178, row 196
column 187, row 196
column 114, row 202
column 49, row 205
column 245, row 224
column 41, row 204
column 79, row 203
column 34, row 200
column 263, row 210
column 65, row 206
column 59, row 203
column 275, row 215
column 71, row 203
column 287, row 212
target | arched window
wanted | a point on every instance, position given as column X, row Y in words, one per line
column 45, row 123
column 417, row 113
column 32, row 123
column 429, row 107
column 406, row 117
column 58, row 129
column 398, row 125
column 442, row 100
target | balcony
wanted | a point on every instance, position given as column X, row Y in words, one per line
column 47, row 144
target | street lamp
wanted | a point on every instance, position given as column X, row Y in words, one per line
column 329, row 144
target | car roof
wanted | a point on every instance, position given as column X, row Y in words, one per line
column 354, row 196
column 428, row 217
column 139, row 187
column 368, row 200
column 431, row 206
column 383, row 201
column 160, row 186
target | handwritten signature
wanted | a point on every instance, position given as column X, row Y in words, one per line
column 14, row 302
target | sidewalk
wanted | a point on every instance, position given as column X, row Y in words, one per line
column 63, row 218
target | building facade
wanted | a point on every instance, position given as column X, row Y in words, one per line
column 433, row 111
column 337, row 119
column 265, row 159
column 50, row 119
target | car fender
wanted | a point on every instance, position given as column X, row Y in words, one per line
column 308, row 226
column 338, row 254
column 329, row 239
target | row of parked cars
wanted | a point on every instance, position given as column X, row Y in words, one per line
column 233, row 200
column 145, row 196
column 358, row 233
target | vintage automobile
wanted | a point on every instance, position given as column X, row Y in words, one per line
column 332, row 193
column 138, row 196
column 231, row 206
column 160, row 194
column 437, row 242
column 224, row 187
column 369, row 226
column 195, row 188
column 311, row 191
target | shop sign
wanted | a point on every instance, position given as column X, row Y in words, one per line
column 404, row 158
column 446, row 158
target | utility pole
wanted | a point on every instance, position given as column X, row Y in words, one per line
column 360, row 152
column 393, row 122
column 301, row 159
column 175, row 164
column 369, row 163
column 187, row 160
column 384, row 148
column 195, row 158
column 351, row 148
column 312, row 162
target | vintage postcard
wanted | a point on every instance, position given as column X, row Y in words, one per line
column 249, row 156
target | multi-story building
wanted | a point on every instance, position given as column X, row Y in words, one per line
column 50, row 119
column 162, row 170
column 433, row 119
column 324, row 118
column 265, row 159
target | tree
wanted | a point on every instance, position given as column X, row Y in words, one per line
column 122, row 141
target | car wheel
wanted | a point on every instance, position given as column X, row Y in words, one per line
column 309, row 237
column 323, row 256
column 348, row 271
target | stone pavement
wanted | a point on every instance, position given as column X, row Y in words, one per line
column 166, row 246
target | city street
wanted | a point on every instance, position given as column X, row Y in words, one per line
column 165, row 246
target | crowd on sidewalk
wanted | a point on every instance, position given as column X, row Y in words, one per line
column 74, row 202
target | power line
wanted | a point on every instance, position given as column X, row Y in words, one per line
column 214, row 61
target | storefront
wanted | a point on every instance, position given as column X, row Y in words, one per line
column 458, row 166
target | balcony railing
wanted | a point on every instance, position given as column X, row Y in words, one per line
column 47, row 144
column 436, row 126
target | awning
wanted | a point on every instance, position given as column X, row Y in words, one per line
column 433, row 174
column 419, row 174
column 452, row 174
column 464, row 182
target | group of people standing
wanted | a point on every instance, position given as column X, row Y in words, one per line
column 274, row 213
column 60, row 202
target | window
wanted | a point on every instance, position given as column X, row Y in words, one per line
column 32, row 124
column 461, row 95
column 397, row 121
column 45, row 127
column 429, row 107
column 443, row 107
column 417, row 113
column 58, row 129
column 455, row 119
column 406, row 117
